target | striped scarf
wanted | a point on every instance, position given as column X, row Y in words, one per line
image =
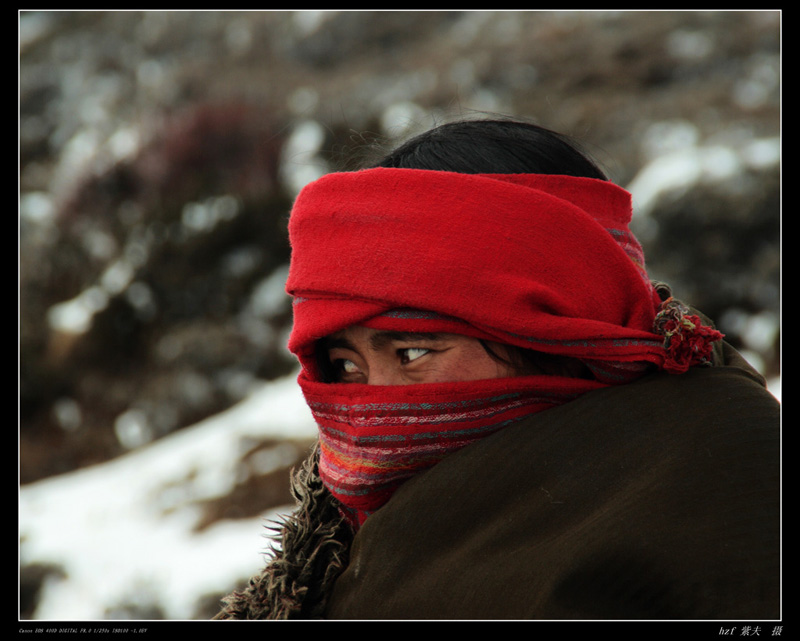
column 540, row 262
column 374, row 438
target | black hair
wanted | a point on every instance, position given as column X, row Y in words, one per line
column 493, row 147
column 529, row 362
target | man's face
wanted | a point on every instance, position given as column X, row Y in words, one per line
column 376, row 357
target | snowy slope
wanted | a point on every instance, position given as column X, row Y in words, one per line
column 123, row 531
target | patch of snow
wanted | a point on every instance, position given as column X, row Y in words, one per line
column 682, row 166
column 123, row 530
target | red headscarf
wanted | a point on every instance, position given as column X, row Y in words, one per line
column 538, row 261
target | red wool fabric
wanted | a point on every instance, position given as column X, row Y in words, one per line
column 542, row 262
column 373, row 439
column 545, row 262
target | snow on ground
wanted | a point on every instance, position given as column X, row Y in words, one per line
column 122, row 531
column 678, row 161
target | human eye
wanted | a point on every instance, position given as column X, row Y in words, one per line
column 347, row 366
column 345, row 369
column 410, row 354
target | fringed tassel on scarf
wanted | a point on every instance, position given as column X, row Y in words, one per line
column 314, row 550
column 686, row 340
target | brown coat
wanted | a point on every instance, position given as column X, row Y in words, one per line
column 654, row 500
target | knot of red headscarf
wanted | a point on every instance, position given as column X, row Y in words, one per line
column 687, row 341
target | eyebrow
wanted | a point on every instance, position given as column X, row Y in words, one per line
column 380, row 339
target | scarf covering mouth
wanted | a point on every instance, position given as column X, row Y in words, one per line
column 538, row 261
column 374, row 438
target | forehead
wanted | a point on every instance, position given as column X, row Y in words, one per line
column 358, row 336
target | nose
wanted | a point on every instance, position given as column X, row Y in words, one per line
column 383, row 375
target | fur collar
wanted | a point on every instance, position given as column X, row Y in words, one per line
column 314, row 550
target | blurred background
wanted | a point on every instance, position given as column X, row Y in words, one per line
column 159, row 155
